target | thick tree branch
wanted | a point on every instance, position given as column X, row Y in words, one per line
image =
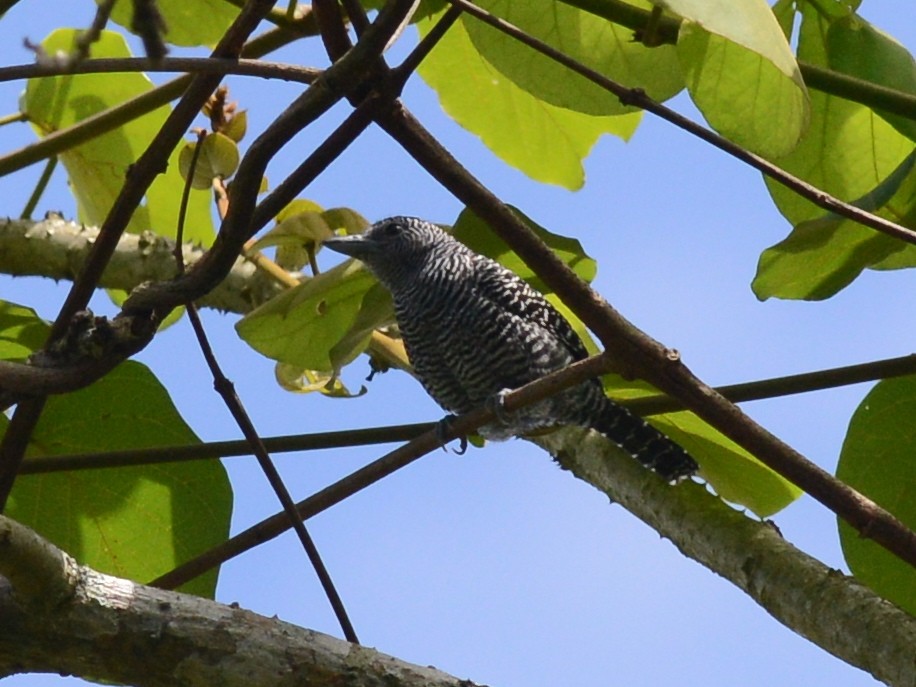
column 65, row 618
column 57, row 248
column 832, row 610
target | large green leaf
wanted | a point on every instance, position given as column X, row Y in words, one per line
column 741, row 72
column 731, row 471
column 546, row 142
column 847, row 150
column 823, row 255
column 877, row 460
column 97, row 169
column 605, row 47
column 857, row 48
column 302, row 326
column 202, row 22
column 135, row 522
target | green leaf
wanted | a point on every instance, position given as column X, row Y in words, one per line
column 97, row 168
column 218, row 159
column 300, row 381
column 877, row 460
column 546, row 142
column 823, row 255
column 477, row 235
column 857, row 48
column 21, row 331
column 591, row 40
column 847, row 150
column 202, row 22
column 741, row 72
column 303, row 325
column 134, row 522
column 732, row 472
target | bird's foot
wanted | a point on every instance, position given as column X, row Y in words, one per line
column 443, row 430
column 497, row 404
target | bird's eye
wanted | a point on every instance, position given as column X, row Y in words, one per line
column 392, row 229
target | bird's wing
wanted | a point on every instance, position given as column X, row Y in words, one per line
column 513, row 294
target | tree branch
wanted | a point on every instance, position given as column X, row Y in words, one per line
column 65, row 618
column 57, row 248
column 638, row 355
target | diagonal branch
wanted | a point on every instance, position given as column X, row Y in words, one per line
column 142, row 174
column 638, row 355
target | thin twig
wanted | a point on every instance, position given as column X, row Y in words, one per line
column 373, row 472
column 191, row 65
column 226, row 389
column 368, row 436
column 650, row 405
column 40, row 187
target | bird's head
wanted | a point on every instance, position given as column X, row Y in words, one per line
column 395, row 249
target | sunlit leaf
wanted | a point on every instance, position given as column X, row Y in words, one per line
column 218, row 159
column 135, row 522
column 741, row 72
column 21, row 331
column 608, row 48
column 302, row 325
column 299, row 381
column 202, row 22
column 545, row 142
column 847, row 150
column 97, row 169
column 857, row 48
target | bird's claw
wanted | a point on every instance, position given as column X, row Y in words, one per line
column 443, row 429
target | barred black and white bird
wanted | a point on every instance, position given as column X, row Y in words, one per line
column 473, row 328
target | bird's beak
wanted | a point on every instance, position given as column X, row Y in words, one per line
column 355, row 245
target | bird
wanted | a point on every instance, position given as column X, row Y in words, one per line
column 474, row 330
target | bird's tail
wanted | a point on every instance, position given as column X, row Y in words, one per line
column 645, row 443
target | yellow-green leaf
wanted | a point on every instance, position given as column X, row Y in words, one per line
column 605, row 47
column 97, row 169
column 301, row 326
column 847, row 151
column 546, row 142
column 732, row 472
column 741, row 72
column 218, row 159
column 201, row 22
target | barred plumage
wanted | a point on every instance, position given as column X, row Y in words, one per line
column 472, row 328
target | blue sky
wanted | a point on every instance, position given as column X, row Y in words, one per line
column 495, row 565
